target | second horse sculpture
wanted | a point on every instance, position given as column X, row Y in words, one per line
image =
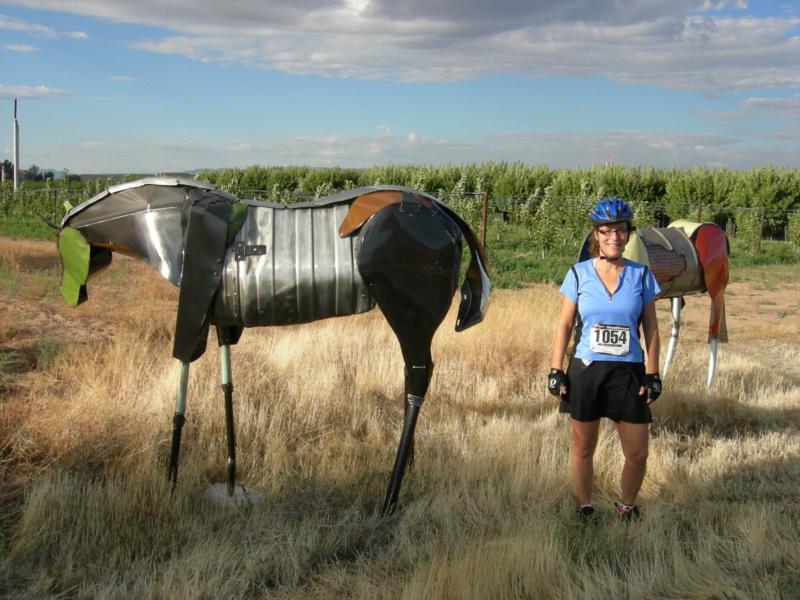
column 251, row 263
column 687, row 258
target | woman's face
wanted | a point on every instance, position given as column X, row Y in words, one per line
column 611, row 239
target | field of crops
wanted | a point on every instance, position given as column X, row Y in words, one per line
column 549, row 202
column 537, row 215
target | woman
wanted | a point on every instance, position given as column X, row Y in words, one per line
column 608, row 375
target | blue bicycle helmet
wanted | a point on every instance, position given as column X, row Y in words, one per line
column 610, row 210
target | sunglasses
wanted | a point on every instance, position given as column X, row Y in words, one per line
column 609, row 231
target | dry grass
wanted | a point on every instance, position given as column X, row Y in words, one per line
column 487, row 511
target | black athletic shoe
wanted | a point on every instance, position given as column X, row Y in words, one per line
column 585, row 513
column 626, row 513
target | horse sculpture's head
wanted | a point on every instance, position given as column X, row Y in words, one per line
column 144, row 219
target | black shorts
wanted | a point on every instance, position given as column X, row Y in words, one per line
column 606, row 389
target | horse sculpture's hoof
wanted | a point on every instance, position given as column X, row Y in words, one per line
column 217, row 493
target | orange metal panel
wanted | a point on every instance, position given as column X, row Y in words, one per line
column 364, row 207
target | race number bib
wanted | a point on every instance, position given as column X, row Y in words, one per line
column 610, row 339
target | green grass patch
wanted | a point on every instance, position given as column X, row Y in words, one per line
column 771, row 253
column 766, row 276
column 31, row 228
column 514, row 259
column 47, row 351
column 45, row 283
column 37, row 283
column 7, row 362
column 9, row 281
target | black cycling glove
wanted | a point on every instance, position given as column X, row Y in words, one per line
column 652, row 386
column 557, row 380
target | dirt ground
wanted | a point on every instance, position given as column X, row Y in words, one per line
column 762, row 306
column 35, row 320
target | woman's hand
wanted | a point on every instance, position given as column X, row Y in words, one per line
column 558, row 383
column 652, row 387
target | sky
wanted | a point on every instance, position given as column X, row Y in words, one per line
column 154, row 86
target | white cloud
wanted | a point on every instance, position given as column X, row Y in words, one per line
column 357, row 7
column 23, row 48
column 124, row 78
column 28, row 91
column 780, row 107
column 756, row 107
column 713, row 5
column 567, row 148
column 663, row 149
column 36, row 29
column 22, row 26
column 193, row 49
column 384, row 128
column 682, row 44
column 660, row 144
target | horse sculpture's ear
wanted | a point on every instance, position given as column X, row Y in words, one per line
column 79, row 260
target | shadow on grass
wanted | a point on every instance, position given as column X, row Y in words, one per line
column 530, row 410
column 686, row 414
column 769, row 481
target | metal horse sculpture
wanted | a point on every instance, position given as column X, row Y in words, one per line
column 685, row 258
column 251, row 263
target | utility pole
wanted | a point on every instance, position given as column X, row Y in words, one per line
column 16, row 145
column 484, row 211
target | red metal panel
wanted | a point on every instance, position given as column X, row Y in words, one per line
column 712, row 251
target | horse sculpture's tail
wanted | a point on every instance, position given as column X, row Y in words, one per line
column 476, row 286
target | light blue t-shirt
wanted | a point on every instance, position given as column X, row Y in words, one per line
column 609, row 317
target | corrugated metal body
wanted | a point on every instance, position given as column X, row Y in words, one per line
column 288, row 265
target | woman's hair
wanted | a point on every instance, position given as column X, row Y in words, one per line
column 594, row 245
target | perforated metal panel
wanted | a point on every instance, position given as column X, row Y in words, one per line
column 664, row 263
column 673, row 260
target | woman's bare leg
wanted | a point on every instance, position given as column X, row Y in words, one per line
column 581, row 456
column 634, row 438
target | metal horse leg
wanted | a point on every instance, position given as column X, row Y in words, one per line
column 417, row 380
column 409, row 259
column 406, row 417
column 177, row 424
column 712, row 361
column 673, row 338
column 227, row 389
column 718, row 331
